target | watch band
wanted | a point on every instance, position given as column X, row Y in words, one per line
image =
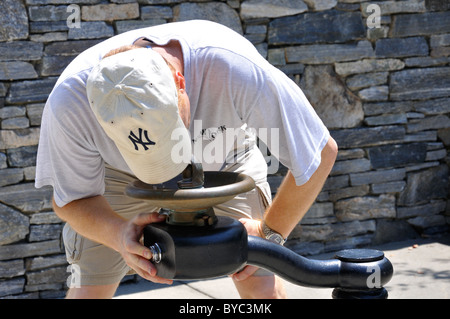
column 272, row 235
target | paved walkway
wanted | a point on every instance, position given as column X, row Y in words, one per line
column 421, row 271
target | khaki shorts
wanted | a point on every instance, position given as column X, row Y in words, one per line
column 96, row 264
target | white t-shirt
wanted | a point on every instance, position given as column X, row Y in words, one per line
column 234, row 93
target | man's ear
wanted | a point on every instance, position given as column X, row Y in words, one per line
column 180, row 81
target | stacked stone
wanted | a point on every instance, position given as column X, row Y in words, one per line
column 384, row 93
column 381, row 86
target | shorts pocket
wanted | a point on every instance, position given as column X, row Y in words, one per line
column 73, row 244
column 265, row 195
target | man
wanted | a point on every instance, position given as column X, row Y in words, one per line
column 118, row 112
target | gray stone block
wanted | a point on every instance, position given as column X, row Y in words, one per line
column 350, row 166
column 437, row 5
column 26, row 198
column 375, row 93
column 17, row 71
column 359, row 137
column 54, row 65
column 69, row 48
column 376, row 177
column 3, row 159
column 49, row 37
column 368, row 65
column 328, row 26
column 325, row 92
column 11, row 268
column 18, row 138
column 45, row 232
column 334, row 245
column 335, row 182
column 429, row 123
column 347, row 192
column 34, row 113
column 387, row 119
column 91, row 30
column 46, row 276
column 432, row 208
column 395, row 48
column 11, row 287
column 45, row 218
column 389, row 231
column 399, row 155
column 364, row 80
column 30, row 91
column 254, row 9
column 329, row 53
column 425, row 185
column 11, row 176
column 15, row 123
column 424, row 222
column 22, row 156
column 420, row 84
column 361, row 208
column 393, row 7
column 440, row 40
column 427, row 61
column 13, row 224
column 387, row 107
column 42, row 262
column 110, row 12
column 319, row 213
column 44, row 2
column 12, row 111
column 21, row 51
column 14, row 21
column 213, row 11
column 405, row 25
column 128, row 25
column 329, row 232
column 433, row 106
column 320, row 5
column 156, row 12
column 48, row 26
column 42, row 248
column 389, row 187
column 48, row 13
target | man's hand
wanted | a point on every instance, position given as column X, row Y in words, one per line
column 136, row 255
column 254, row 228
column 94, row 218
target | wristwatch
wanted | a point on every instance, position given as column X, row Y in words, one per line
column 272, row 235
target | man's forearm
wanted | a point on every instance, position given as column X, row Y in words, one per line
column 292, row 202
column 93, row 218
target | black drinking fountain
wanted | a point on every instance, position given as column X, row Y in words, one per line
column 194, row 244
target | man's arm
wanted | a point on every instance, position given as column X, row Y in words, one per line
column 94, row 218
column 292, row 202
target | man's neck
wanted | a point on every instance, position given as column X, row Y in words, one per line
column 171, row 52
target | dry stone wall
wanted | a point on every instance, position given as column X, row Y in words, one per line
column 377, row 72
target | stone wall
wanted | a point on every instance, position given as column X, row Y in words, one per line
column 377, row 73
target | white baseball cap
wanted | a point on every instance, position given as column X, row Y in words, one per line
column 134, row 97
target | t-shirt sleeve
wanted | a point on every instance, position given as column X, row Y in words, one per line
column 66, row 158
column 294, row 132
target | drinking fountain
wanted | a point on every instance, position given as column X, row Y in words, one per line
column 194, row 244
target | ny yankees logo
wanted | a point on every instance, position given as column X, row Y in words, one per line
column 138, row 140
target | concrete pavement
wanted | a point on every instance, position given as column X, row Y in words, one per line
column 421, row 271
